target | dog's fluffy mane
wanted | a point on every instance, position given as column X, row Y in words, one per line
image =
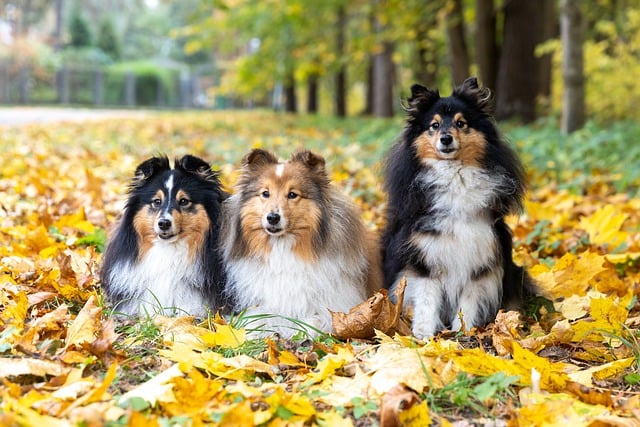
column 124, row 252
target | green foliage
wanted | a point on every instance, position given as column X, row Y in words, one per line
column 467, row 393
column 611, row 67
column 149, row 78
column 575, row 161
column 108, row 40
column 79, row 31
column 97, row 239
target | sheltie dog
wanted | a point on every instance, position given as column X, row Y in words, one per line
column 451, row 180
column 294, row 246
column 164, row 255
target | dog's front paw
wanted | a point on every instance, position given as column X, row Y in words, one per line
column 423, row 331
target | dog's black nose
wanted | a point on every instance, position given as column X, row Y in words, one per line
column 273, row 218
column 446, row 139
column 164, row 224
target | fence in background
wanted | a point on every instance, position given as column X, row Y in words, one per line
column 96, row 86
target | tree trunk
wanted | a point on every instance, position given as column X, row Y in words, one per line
column 425, row 63
column 312, row 94
column 383, row 82
column 517, row 85
column 571, row 32
column 290, row 99
column 487, row 53
column 382, row 63
column 549, row 31
column 458, row 54
column 368, row 102
column 341, row 75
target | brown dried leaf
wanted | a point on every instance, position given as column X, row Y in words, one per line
column 376, row 313
column 394, row 401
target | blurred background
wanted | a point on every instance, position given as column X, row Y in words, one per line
column 541, row 58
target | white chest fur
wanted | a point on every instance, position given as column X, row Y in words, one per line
column 164, row 281
column 284, row 285
column 461, row 250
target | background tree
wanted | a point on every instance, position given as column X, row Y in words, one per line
column 517, row 84
column 79, row 31
column 382, row 66
column 107, row 39
column 341, row 72
column 458, row 53
column 571, row 28
column 486, row 45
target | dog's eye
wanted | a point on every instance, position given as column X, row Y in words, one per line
column 156, row 203
column 434, row 125
column 292, row 195
column 184, row 202
column 461, row 123
column 265, row 194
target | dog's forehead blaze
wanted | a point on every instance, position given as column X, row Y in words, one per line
column 280, row 179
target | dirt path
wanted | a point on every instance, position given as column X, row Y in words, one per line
column 13, row 116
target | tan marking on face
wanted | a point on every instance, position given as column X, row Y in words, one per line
column 193, row 226
column 143, row 223
column 300, row 215
column 472, row 142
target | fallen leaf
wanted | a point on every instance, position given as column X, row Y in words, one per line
column 10, row 367
column 395, row 401
column 376, row 313
column 604, row 226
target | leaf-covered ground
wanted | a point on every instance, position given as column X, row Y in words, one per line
column 572, row 359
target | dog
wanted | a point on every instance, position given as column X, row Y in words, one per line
column 163, row 256
column 451, row 179
column 294, row 246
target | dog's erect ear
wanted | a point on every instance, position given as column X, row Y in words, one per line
column 472, row 92
column 471, row 83
column 149, row 168
column 421, row 100
column 312, row 161
column 258, row 158
column 196, row 166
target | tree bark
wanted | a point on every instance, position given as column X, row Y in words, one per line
column 487, row 52
column 290, row 99
column 425, row 63
column 458, row 53
column 341, row 75
column 312, row 94
column 517, row 85
column 572, row 33
column 382, row 63
column 549, row 31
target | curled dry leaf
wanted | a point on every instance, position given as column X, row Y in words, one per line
column 394, row 401
column 376, row 313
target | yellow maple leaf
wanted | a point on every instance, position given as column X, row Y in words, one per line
column 416, row 415
column 77, row 221
column 607, row 319
column 84, row 329
column 224, row 336
column 600, row 372
column 571, row 275
column 604, row 226
column 238, row 367
column 556, row 409
column 157, row 389
column 330, row 364
column 478, row 362
column 14, row 309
